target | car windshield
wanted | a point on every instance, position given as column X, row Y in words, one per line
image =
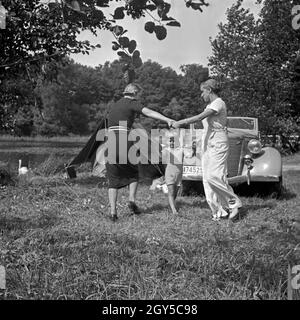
column 241, row 123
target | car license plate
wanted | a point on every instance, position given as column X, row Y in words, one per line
column 192, row 170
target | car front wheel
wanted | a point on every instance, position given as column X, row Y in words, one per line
column 276, row 188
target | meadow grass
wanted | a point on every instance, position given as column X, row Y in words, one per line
column 56, row 242
column 293, row 159
column 38, row 138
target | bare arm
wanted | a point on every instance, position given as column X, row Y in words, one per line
column 155, row 115
column 196, row 118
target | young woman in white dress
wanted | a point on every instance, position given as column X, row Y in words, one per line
column 215, row 149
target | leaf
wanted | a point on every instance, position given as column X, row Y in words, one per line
column 161, row 32
column 163, row 9
column 166, row 18
column 136, row 54
column 174, row 24
column 196, row 6
column 160, row 11
column 149, row 26
column 100, row 3
column 137, row 62
column 123, row 54
column 132, row 46
column 115, row 46
column 188, row 3
column 119, row 13
column 98, row 14
column 151, row 7
column 118, row 30
column 124, row 42
column 124, row 32
column 167, row 7
column 158, row 2
column 75, row 5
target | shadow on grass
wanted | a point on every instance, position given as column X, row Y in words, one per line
column 244, row 211
column 93, row 181
column 195, row 203
column 286, row 194
column 155, row 207
column 256, row 189
column 263, row 191
column 18, row 224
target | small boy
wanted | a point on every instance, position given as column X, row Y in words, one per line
column 173, row 173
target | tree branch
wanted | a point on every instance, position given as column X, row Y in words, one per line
column 25, row 61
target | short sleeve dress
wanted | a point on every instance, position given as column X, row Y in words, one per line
column 120, row 171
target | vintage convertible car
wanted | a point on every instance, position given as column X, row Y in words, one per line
column 249, row 163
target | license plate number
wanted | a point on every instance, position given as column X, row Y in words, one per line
column 192, row 170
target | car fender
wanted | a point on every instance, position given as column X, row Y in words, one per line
column 266, row 164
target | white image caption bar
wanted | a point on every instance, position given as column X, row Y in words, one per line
column 3, row 13
column 296, row 17
column 293, row 287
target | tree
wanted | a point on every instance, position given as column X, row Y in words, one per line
column 159, row 84
column 39, row 30
column 38, row 34
column 174, row 110
column 296, row 86
column 234, row 53
column 92, row 90
column 69, row 103
column 279, row 45
column 190, row 95
column 195, row 72
column 254, row 61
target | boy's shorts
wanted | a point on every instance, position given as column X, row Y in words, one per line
column 173, row 174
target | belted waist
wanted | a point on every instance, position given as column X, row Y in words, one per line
column 118, row 128
column 212, row 133
column 224, row 129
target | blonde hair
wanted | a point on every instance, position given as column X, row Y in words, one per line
column 132, row 89
column 211, row 84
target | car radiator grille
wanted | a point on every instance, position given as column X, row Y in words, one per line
column 235, row 147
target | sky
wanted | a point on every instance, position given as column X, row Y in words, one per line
column 185, row 45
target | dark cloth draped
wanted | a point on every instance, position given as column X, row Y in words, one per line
column 120, row 172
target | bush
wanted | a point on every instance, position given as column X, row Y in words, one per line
column 5, row 177
column 54, row 164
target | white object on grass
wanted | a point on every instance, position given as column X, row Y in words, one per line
column 22, row 169
column 165, row 188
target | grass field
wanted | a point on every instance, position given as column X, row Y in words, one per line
column 69, row 139
column 56, row 242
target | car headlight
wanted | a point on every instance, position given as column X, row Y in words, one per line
column 254, row 146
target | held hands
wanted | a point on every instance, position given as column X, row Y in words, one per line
column 175, row 124
column 171, row 123
column 178, row 124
